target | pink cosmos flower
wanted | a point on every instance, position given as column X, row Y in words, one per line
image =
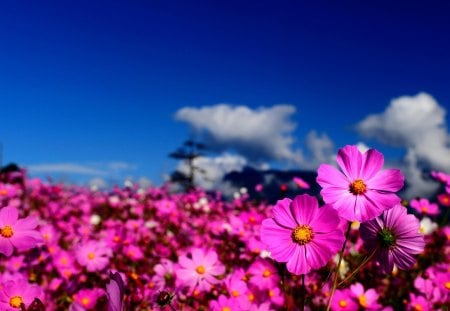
column 366, row 299
column 361, row 192
column 342, row 300
column 18, row 233
column 93, row 255
column 263, row 274
column 225, row 304
column 302, row 234
column 200, row 270
column 394, row 237
column 444, row 199
column 15, row 292
column 418, row 303
column 86, row 299
column 424, row 206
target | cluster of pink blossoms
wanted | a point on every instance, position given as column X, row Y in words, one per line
column 132, row 248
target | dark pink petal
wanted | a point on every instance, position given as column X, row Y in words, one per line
column 380, row 202
column 282, row 214
column 6, row 247
column 332, row 240
column 8, row 216
column 372, row 163
column 326, row 219
column 402, row 259
column 304, row 208
column 386, row 260
column 317, row 255
column 413, row 245
column 297, row 264
column 394, row 215
column 328, row 175
column 349, row 160
column 391, row 180
column 345, row 206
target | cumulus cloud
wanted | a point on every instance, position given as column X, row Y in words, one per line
column 213, row 169
column 416, row 124
column 258, row 134
column 320, row 149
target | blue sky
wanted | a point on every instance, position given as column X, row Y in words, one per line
column 97, row 84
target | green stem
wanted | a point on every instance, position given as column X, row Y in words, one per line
column 362, row 264
column 341, row 254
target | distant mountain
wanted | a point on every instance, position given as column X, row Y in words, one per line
column 276, row 184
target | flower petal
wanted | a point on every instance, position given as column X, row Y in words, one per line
column 298, row 264
column 304, row 208
column 349, row 160
column 282, row 213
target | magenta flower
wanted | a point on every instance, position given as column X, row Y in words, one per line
column 361, row 192
column 302, row 234
column 200, row 270
column 366, row 299
column 18, row 233
column 224, row 304
column 15, row 292
column 93, row 255
column 115, row 291
column 394, row 237
column 301, row 183
column 343, row 300
column 424, row 206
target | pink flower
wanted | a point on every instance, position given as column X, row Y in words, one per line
column 394, row 237
column 15, row 292
column 302, row 234
column 200, row 270
column 425, row 207
column 93, row 255
column 342, row 300
column 224, row 304
column 366, row 299
column 361, row 192
column 86, row 299
column 418, row 303
column 18, row 233
column 444, row 199
column 263, row 273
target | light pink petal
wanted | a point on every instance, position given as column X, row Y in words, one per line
column 357, row 289
column 391, row 180
column 186, row 262
column 217, row 270
column 297, row 264
column 28, row 223
column 197, row 256
column 8, row 216
column 332, row 240
column 328, row 175
column 26, row 239
column 349, row 160
column 210, row 257
column 394, row 215
column 278, row 240
column 379, row 202
column 6, row 247
column 345, row 207
column 372, row 163
column 282, row 214
column 304, row 208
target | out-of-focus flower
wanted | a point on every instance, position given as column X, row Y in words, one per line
column 302, row 234
column 394, row 237
column 366, row 299
column 200, row 270
column 444, row 199
column 300, row 183
column 361, row 192
column 86, row 299
column 224, row 304
column 93, row 255
column 418, row 303
column 424, row 206
column 427, row 226
column 343, row 300
column 18, row 233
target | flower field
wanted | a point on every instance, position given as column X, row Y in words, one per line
column 74, row 248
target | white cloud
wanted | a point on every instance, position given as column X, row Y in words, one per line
column 258, row 134
column 65, row 168
column 214, row 168
column 416, row 124
column 320, row 150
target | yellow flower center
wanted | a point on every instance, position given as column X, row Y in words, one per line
column 91, row 256
column 302, row 234
column 266, row 273
column 271, row 293
column 15, row 301
column 85, row 301
column 424, row 209
column 226, row 309
column 7, row 231
column 363, row 301
column 342, row 303
column 447, row 285
column 235, row 293
column 358, row 187
column 200, row 269
column 3, row 192
column 417, row 307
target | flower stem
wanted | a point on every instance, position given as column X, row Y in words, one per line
column 341, row 254
column 362, row 264
column 302, row 307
